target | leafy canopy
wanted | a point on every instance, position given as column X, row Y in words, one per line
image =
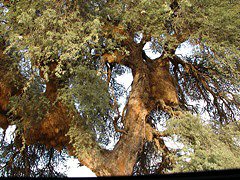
column 73, row 35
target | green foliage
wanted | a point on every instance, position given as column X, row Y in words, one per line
column 82, row 139
column 31, row 105
column 89, row 94
column 204, row 148
column 49, row 33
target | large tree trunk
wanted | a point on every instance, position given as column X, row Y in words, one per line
column 122, row 159
column 152, row 82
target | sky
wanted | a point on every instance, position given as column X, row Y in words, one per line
column 76, row 171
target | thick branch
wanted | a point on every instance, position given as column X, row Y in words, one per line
column 121, row 160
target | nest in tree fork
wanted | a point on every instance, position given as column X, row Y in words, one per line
column 51, row 130
column 53, row 127
column 162, row 83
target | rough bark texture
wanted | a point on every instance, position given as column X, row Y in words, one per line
column 151, row 82
column 123, row 157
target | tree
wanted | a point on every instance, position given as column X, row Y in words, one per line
column 59, row 62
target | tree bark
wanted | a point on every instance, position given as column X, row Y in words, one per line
column 151, row 82
column 123, row 157
column 121, row 160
